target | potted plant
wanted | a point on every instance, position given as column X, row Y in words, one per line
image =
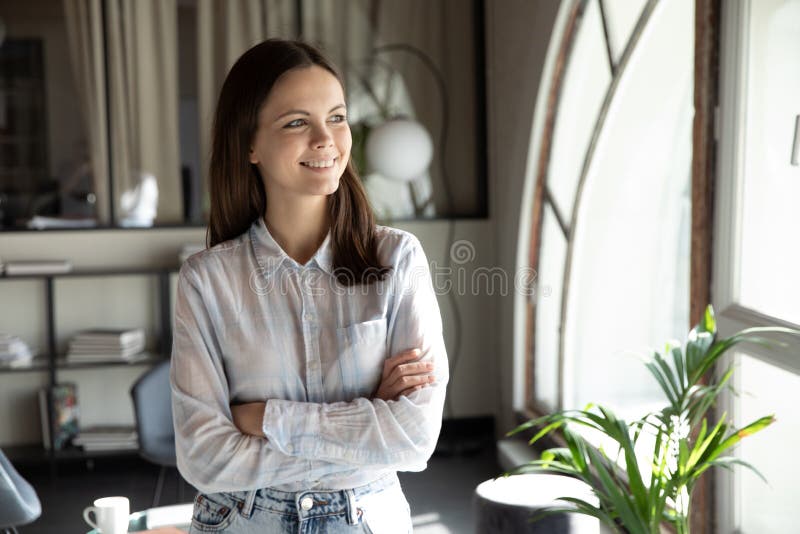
column 685, row 443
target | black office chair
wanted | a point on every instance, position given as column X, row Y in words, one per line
column 152, row 405
column 19, row 504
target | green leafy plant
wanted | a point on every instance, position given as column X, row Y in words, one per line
column 686, row 444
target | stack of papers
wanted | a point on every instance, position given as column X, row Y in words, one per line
column 14, row 352
column 106, row 344
column 107, row 438
column 40, row 222
column 21, row 268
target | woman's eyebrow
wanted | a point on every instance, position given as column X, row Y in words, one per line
column 306, row 113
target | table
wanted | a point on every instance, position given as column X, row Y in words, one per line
column 506, row 505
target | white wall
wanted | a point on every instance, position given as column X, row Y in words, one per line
column 518, row 33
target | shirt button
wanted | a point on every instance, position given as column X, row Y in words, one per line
column 306, row 503
column 308, row 317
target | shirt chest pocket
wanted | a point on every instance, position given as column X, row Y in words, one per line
column 362, row 352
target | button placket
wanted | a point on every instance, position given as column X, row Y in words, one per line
column 310, row 341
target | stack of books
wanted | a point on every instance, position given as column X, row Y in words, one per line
column 107, row 438
column 14, row 352
column 106, row 344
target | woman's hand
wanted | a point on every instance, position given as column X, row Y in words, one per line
column 248, row 418
column 402, row 375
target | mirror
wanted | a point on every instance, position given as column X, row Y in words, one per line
column 106, row 106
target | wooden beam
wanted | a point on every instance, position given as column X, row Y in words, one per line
column 706, row 77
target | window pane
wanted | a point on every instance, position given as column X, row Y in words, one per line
column 46, row 168
column 621, row 17
column 764, row 390
column 770, row 255
column 550, row 282
column 585, row 83
column 630, row 268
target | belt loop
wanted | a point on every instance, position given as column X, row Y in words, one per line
column 352, row 508
column 247, row 507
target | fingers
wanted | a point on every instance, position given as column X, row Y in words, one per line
column 406, row 385
column 409, row 369
column 407, row 381
column 397, row 359
column 403, row 374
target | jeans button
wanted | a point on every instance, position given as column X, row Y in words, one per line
column 306, row 503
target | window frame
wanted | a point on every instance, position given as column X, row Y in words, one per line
column 703, row 173
column 731, row 315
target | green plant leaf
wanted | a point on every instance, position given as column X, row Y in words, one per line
column 703, row 443
column 621, row 434
column 627, row 500
column 617, row 495
column 577, row 447
column 701, row 337
column 719, row 348
column 737, row 435
column 727, row 462
column 680, row 369
column 529, row 424
column 586, row 508
column 669, row 376
column 662, row 381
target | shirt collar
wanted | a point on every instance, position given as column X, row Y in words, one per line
column 270, row 255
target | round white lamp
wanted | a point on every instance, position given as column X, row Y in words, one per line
column 400, row 149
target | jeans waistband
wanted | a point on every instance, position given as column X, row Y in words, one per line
column 311, row 503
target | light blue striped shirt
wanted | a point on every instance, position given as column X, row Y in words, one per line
column 251, row 324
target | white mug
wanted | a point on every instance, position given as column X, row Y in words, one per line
column 111, row 514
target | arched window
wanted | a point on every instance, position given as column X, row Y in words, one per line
column 612, row 217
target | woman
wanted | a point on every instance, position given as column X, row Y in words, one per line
column 308, row 364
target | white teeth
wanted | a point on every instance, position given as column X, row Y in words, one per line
column 319, row 164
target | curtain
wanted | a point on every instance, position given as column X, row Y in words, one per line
column 143, row 86
column 225, row 30
column 85, row 38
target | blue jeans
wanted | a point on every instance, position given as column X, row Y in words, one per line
column 375, row 508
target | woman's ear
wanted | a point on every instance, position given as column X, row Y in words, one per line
column 253, row 158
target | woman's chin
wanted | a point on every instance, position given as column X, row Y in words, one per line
column 324, row 187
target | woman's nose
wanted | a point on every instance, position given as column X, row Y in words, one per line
column 322, row 138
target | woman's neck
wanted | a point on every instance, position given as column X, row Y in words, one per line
column 299, row 225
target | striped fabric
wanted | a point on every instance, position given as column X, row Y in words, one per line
column 251, row 324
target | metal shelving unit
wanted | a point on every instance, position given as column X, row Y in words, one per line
column 53, row 361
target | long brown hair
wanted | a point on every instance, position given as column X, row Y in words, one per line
column 236, row 187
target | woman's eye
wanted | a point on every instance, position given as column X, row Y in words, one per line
column 338, row 118
column 295, row 123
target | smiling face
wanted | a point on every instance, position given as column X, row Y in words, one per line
column 303, row 141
